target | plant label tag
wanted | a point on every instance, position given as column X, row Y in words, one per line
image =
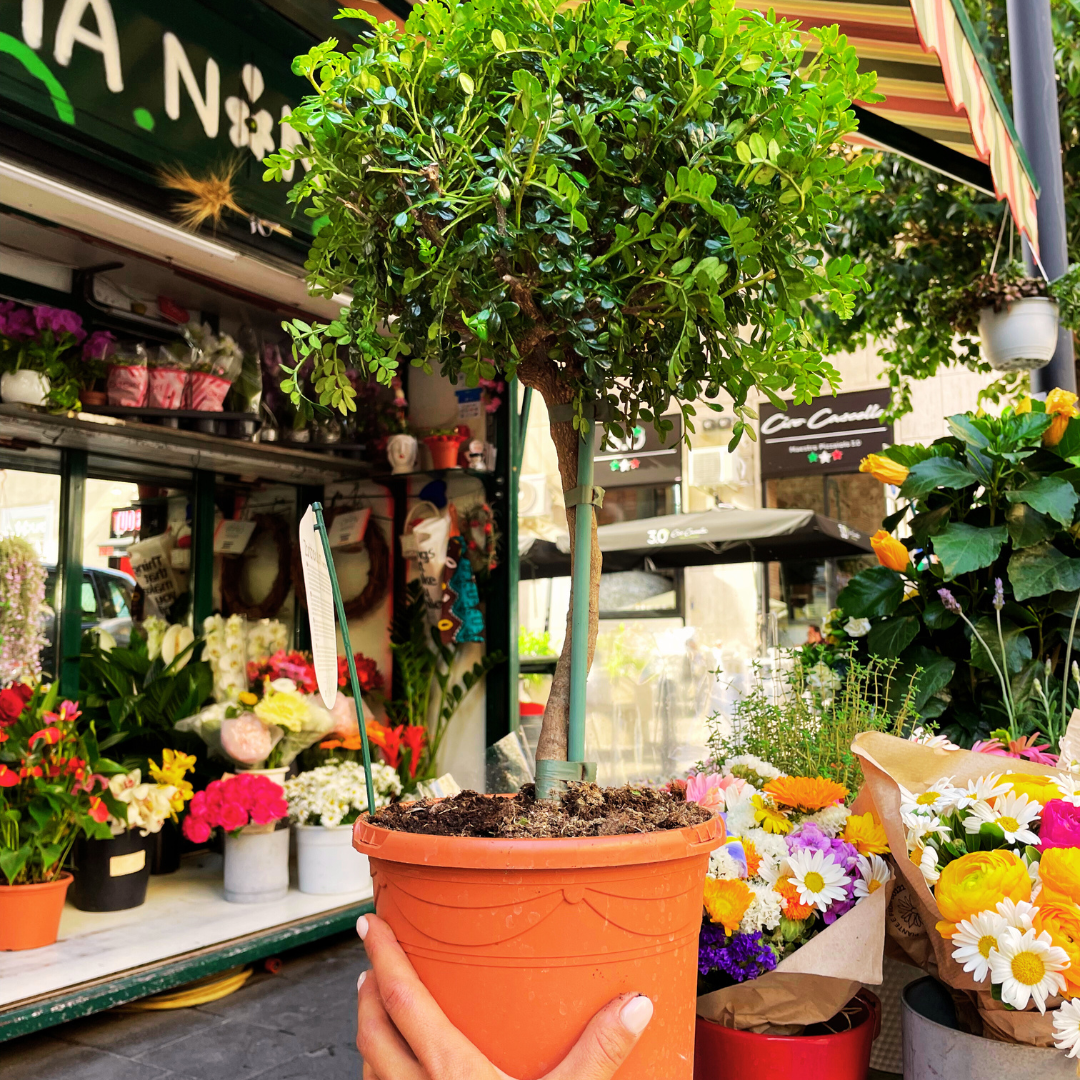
column 320, row 605
column 132, row 863
column 347, row 530
column 231, row 537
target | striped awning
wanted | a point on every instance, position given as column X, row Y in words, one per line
column 942, row 105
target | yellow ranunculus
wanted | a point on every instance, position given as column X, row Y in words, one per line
column 889, row 551
column 1040, row 789
column 978, row 882
column 286, row 709
column 1062, row 406
column 1062, row 923
column 1059, row 872
column 883, row 469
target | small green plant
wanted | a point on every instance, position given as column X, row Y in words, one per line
column 959, row 306
column 805, row 732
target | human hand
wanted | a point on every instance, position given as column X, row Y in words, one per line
column 402, row 1034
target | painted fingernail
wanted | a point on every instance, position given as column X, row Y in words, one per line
column 360, row 981
column 362, row 927
column 636, row 1014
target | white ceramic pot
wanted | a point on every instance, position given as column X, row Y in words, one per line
column 24, row 387
column 1020, row 337
column 257, row 867
column 402, row 452
column 327, row 863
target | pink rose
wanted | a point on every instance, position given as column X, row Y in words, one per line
column 196, row 829
column 1060, row 825
column 245, row 739
column 233, row 817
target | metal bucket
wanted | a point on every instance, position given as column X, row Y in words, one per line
column 936, row 1049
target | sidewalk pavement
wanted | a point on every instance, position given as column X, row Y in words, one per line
column 297, row 1025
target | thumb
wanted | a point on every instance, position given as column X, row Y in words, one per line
column 606, row 1043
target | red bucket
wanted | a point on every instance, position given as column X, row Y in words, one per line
column 722, row 1053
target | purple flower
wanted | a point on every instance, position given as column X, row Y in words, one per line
column 16, row 322
column 949, row 601
column 809, row 837
column 99, row 345
column 999, row 595
column 741, row 957
column 59, row 321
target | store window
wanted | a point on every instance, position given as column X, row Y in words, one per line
column 635, row 503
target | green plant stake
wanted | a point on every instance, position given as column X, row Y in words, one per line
column 339, row 607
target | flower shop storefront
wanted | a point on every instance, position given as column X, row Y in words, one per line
column 152, row 478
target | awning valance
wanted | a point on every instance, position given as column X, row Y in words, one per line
column 942, row 105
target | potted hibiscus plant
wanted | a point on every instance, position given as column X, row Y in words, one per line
column 619, row 205
column 52, row 792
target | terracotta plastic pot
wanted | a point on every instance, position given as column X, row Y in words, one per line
column 444, row 450
column 722, row 1053
column 30, row 914
column 522, row 941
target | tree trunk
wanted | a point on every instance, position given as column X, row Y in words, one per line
column 542, row 376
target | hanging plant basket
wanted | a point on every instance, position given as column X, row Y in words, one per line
column 1020, row 337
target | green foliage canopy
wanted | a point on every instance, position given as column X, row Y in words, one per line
column 619, row 203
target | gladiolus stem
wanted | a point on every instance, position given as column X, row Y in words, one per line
column 1003, row 680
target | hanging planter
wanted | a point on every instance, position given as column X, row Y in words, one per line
column 839, row 1050
column 30, row 914
column 1021, row 336
column 111, row 875
column 519, row 921
column 257, row 865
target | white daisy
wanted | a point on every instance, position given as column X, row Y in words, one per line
column 928, row 864
column 1069, row 786
column 928, row 738
column 817, row 877
column 938, row 799
column 1011, row 813
column 1028, row 966
column 873, row 873
column 975, row 939
column 984, row 789
column 1067, row 1027
column 1018, row 914
column 919, row 829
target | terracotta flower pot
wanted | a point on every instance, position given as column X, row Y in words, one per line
column 522, row 941
column 444, row 450
column 30, row 914
column 93, row 398
column 722, row 1053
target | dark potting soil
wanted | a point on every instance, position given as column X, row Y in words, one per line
column 585, row 810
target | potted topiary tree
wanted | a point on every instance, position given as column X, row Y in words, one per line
column 622, row 206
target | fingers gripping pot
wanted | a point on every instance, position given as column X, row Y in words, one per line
column 522, row 941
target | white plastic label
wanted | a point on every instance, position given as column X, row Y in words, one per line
column 320, row 605
column 232, row 537
column 349, row 529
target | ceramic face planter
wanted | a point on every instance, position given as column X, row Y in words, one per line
column 401, row 451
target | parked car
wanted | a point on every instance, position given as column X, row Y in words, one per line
column 106, row 602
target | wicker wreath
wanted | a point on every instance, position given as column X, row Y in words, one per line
column 233, row 601
column 371, row 595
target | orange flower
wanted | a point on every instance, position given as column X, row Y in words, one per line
column 727, row 901
column 1062, row 923
column 866, row 833
column 883, row 470
column 1062, row 406
column 753, row 859
column 793, row 907
column 1059, row 872
column 807, row 793
column 889, row 551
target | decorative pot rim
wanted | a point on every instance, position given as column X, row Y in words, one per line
column 325, row 828
column 459, row 439
column 549, row 853
column 1020, row 300
column 65, row 878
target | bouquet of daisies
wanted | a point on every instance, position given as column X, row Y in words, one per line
column 797, row 861
column 993, row 872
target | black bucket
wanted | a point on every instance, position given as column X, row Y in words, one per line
column 111, row 875
column 165, row 849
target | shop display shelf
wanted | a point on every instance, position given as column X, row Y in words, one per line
column 185, row 931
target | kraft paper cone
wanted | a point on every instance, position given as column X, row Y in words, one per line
column 814, row 983
column 888, row 762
